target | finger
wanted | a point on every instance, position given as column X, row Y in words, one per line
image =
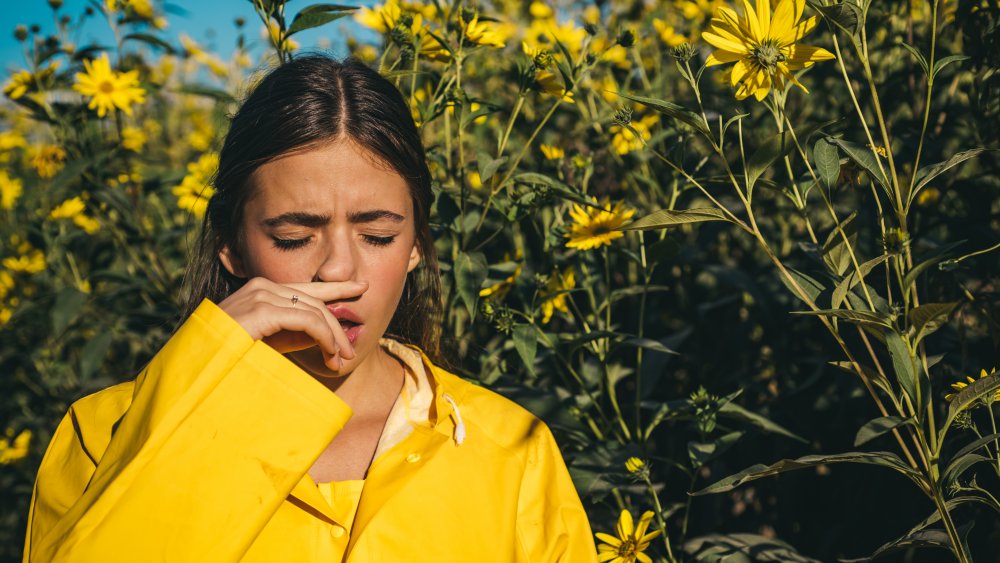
column 303, row 318
column 329, row 291
column 346, row 349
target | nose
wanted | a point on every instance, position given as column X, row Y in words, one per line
column 338, row 260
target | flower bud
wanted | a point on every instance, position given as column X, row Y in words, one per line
column 20, row 33
column 623, row 116
column 683, row 52
column 55, row 4
column 591, row 29
column 626, row 38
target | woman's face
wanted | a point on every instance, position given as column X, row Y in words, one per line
column 332, row 213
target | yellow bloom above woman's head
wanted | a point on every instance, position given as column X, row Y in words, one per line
column 594, row 227
column 47, row 160
column 551, row 152
column 490, row 34
column 762, row 45
column 10, row 190
column 109, row 89
column 193, row 193
column 631, row 542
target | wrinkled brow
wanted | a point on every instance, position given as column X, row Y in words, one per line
column 300, row 218
column 373, row 215
column 313, row 220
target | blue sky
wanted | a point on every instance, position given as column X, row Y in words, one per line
column 210, row 22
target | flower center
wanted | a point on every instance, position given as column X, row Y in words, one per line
column 767, row 54
column 627, row 547
column 106, row 87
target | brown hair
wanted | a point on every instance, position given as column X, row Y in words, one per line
column 310, row 101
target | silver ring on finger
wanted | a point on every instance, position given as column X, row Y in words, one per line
column 295, row 299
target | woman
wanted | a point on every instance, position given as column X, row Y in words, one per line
column 286, row 420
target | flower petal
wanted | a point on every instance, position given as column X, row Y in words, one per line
column 752, row 22
column 764, row 15
column 721, row 42
column 608, row 539
column 625, row 527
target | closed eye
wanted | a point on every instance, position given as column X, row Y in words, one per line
column 290, row 244
column 379, row 241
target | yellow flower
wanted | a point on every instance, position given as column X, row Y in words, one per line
column 107, row 88
column 540, row 10
column 68, row 209
column 763, row 45
column 552, row 153
column 48, row 160
column 611, row 51
column 273, row 32
column 5, row 315
column 13, row 449
column 214, row 63
column 10, row 190
column 543, row 33
column 624, row 141
column 22, row 81
column 667, row 33
column 474, row 180
column 10, row 140
column 18, row 85
column 485, row 33
column 133, row 139
column 928, row 196
column 74, row 209
column 594, row 227
column 30, row 260
column 6, row 283
column 962, row 385
column 552, row 84
column 634, row 464
column 499, row 290
column 558, row 283
column 631, row 542
column 381, row 18
column 194, row 192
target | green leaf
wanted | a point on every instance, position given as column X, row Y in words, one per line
column 963, row 463
column 94, row 352
column 67, row 307
column 864, row 157
column 701, row 453
column 945, row 61
column 777, row 146
column 470, row 272
column 317, row 15
column 929, row 317
column 845, row 15
column 929, row 172
column 649, row 344
column 730, row 409
column 852, row 279
column 809, row 285
column 675, row 111
column 488, row 165
column 742, row 548
column 207, row 91
column 884, row 459
column 878, row 426
column 936, row 257
column 150, row 40
column 668, row 218
column 917, row 55
column 836, row 251
column 827, row 160
column 526, row 344
column 902, row 362
column 924, row 538
column 862, row 318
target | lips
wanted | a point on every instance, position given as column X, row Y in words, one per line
column 348, row 319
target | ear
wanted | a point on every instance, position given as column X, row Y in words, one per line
column 231, row 261
column 414, row 258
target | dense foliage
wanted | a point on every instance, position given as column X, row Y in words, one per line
column 707, row 241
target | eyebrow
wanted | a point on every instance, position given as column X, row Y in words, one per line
column 314, row 220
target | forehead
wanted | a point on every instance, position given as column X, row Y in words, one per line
column 335, row 178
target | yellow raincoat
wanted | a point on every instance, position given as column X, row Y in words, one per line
column 204, row 457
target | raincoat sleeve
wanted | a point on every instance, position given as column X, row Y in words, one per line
column 219, row 430
column 551, row 522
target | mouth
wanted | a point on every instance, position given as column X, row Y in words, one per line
column 349, row 321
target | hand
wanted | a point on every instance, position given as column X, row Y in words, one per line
column 265, row 309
